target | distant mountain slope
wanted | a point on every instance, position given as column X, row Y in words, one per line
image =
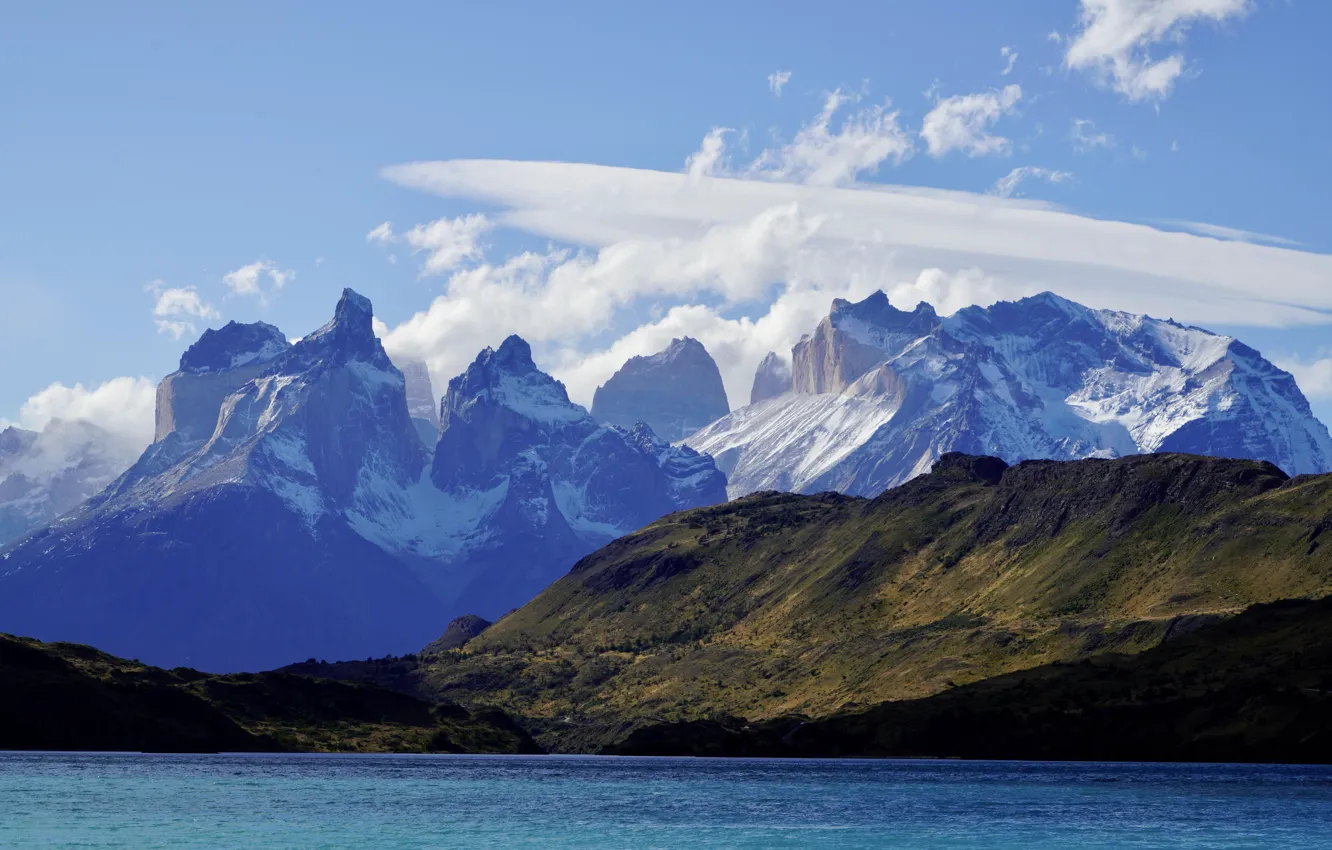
column 675, row 391
column 1038, row 378
column 778, row 604
column 45, row 473
column 1256, row 688
column 62, row 696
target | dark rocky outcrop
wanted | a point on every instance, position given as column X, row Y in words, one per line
column 62, row 696
column 1197, row 698
column 459, row 632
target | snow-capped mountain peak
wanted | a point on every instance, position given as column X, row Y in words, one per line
column 880, row 393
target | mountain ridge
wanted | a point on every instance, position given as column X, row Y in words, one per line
column 884, row 392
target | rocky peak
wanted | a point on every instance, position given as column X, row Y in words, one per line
column 771, row 379
column 855, row 338
column 459, row 632
column 508, row 378
column 349, row 335
column 232, row 346
column 676, row 391
column 496, row 410
column 875, row 311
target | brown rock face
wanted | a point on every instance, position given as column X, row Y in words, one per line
column 189, row 402
column 854, row 338
column 830, row 360
column 221, row 362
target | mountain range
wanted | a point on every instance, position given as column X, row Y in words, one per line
column 876, row 395
column 311, row 499
column 288, row 507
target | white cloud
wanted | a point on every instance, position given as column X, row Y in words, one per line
column 1117, row 37
column 1105, row 263
column 777, row 80
column 249, row 280
column 1233, row 234
column 121, row 406
column 1007, row 185
column 747, row 265
column 962, row 123
column 1011, row 56
column 559, row 297
column 819, row 156
column 383, row 234
column 1085, row 138
column 174, row 307
column 1313, row 376
column 708, row 160
column 446, row 242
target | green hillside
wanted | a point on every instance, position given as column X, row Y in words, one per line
column 1257, row 687
column 779, row 604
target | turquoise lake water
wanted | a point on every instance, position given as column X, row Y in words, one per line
column 390, row 803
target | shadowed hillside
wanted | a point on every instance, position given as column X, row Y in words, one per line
column 63, row 696
column 1254, row 688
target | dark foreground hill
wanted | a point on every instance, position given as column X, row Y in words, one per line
column 1254, row 688
column 63, row 696
column 779, row 605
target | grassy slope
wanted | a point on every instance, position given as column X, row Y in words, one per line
column 1257, row 687
column 778, row 604
column 71, row 697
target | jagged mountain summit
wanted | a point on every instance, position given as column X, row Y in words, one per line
column 676, row 391
column 545, row 481
column 878, row 394
column 288, row 509
column 45, row 473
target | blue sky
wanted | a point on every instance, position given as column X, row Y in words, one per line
column 153, row 148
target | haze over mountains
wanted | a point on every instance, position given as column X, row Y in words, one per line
column 45, row 473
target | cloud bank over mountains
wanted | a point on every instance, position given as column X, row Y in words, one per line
column 747, row 256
